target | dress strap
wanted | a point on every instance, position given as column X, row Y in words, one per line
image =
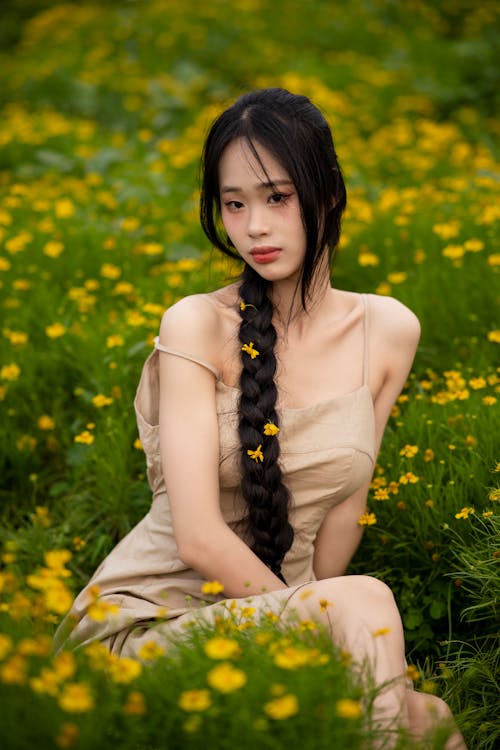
column 366, row 334
column 190, row 357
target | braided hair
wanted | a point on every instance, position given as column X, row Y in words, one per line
column 295, row 132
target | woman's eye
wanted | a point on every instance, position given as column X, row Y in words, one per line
column 278, row 198
column 234, row 204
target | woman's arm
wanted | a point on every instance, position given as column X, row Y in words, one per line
column 394, row 335
column 189, row 445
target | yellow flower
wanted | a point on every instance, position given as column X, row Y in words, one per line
column 100, row 610
column 397, row 277
column 494, row 336
column 13, row 671
column 367, row 519
column 101, row 400
column 123, row 669
column 150, row 651
column 244, row 305
column 115, row 340
column 76, row 698
column 324, row 604
column 368, row 259
column 465, row 513
column 46, row 423
column 64, row 208
column 256, row 455
column 84, row 437
column 271, row 429
column 110, row 271
column 282, row 708
column 381, row 494
column 222, row 648
column 64, row 665
column 53, row 249
column 477, row 383
column 474, row 245
column 381, row 631
column 249, row 349
column 428, row 455
column 55, row 330
column 10, row 372
column 493, row 259
column 212, row 587
column 412, row 672
column 409, row 451
column 226, row 678
column 195, row 700
column 346, row 708
column 489, row 400
column 494, row 495
column 409, row 477
column 291, row 658
column 138, row 445
column 487, row 513
column 135, row 704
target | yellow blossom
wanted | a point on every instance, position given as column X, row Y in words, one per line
column 10, row 372
column 347, row 708
column 110, row 271
column 324, row 604
column 465, row 513
column 64, row 208
column 13, row 671
column 283, row 707
column 397, row 277
column 454, row 252
column 55, row 331
column 64, row 665
column 428, row 455
column 477, row 383
column 381, row 631
column 115, row 340
column 367, row 519
column 16, row 338
column 494, row 336
column 412, row 672
column 84, row 437
column 368, row 259
column 150, row 651
column 101, row 400
column 494, row 495
column 222, row 648
column 76, row 698
column 123, row 669
column 138, row 445
column 135, row 704
column 53, row 249
column 41, row 516
column 195, row 700
column 46, row 423
column 212, row 587
column 474, row 245
column 226, row 678
column 408, row 478
column 100, row 610
column 493, row 259
column 249, row 349
column 489, row 400
column 256, row 455
column 291, row 657
column 487, row 513
column 271, row 429
column 409, row 451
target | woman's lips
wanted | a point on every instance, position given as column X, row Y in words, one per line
column 265, row 254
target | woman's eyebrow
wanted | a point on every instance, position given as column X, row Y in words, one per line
column 258, row 186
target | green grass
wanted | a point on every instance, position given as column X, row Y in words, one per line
column 104, row 111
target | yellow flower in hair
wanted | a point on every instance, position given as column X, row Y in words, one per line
column 271, row 429
column 249, row 349
column 256, row 454
column 244, row 305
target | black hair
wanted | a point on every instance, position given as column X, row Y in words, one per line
column 297, row 135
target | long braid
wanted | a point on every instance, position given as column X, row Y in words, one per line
column 267, row 498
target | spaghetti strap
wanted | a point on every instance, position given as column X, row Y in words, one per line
column 366, row 334
column 190, row 357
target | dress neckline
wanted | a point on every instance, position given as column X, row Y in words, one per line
column 317, row 405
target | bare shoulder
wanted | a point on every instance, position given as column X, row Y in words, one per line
column 393, row 321
column 196, row 324
column 190, row 325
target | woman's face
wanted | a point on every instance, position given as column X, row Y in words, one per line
column 261, row 212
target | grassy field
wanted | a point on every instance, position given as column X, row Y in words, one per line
column 104, row 108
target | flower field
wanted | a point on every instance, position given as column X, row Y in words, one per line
column 104, row 108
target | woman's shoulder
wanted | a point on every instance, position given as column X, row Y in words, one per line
column 392, row 318
column 194, row 323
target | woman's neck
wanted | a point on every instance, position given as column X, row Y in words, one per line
column 287, row 301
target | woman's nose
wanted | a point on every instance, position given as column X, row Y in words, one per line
column 258, row 223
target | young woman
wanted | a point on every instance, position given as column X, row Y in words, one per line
column 261, row 412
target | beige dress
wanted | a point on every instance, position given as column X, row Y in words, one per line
column 327, row 452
